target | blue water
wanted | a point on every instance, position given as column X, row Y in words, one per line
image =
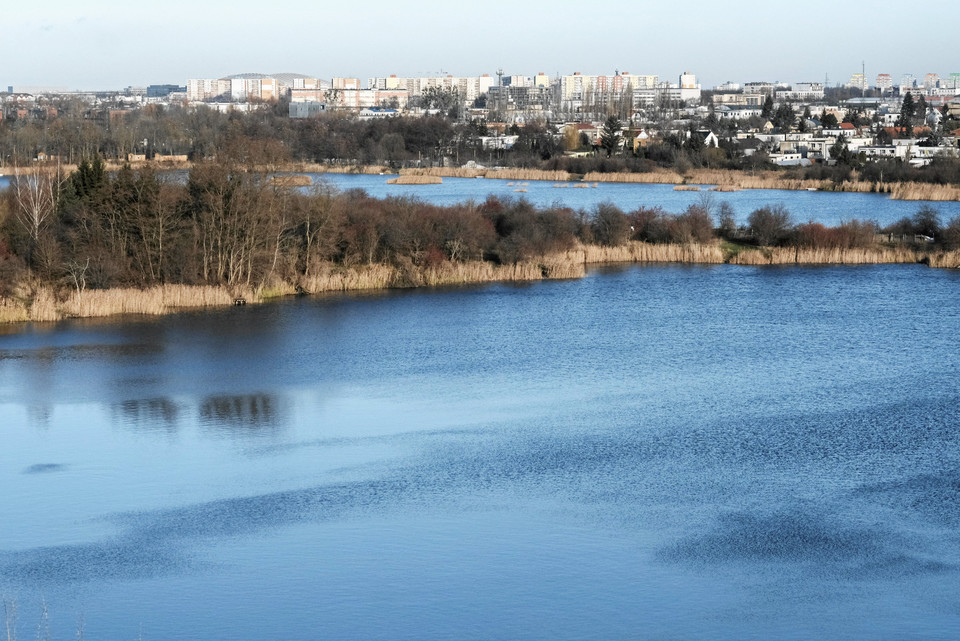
column 829, row 208
column 666, row 452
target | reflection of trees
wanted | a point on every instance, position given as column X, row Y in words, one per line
column 147, row 412
column 248, row 410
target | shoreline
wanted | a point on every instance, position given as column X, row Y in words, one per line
column 42, row 304
column 713, row 179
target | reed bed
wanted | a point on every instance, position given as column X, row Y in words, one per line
column 336, row 279
column 443, row 172
column 826, row 256
column 13, row 311
column 351, row 169
column 528, row 174
column 686, row 188
column 295, row 180
column 944, row 259
column 44, row 306
column 151, row 301
column 660, row 177
column 923, row 191
column 565, row 265
column 640, row 252
column 415, row 180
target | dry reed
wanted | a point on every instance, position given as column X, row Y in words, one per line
column 44, row 306
column 443, row 172
column 415, row 180
column 686, row 188
column 13, row 311
column 639, row 252
column 922, row 191
column 352, row 169
column 332, row 278
column 947, row 259
column 648, row 177
column 157, row 300
column 826, row 256
column 528, row 174
column 295, row 180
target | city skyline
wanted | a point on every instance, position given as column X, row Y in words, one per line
column 105, row 44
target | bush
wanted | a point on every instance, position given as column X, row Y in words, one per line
column 610, row 226
column 770, row 225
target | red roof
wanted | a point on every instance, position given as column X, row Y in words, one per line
column 899, row 132
column 847, row 125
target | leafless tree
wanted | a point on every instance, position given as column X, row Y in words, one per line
column 35, row 200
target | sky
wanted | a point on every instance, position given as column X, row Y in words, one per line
column 109, row 44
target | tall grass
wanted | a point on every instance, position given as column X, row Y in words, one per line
column 528, row 174
column 151, row 301
column 826, row 256
column 333, row 278
column 443, row 172
column 660, row 176
column 346, row 169
column 947, row 259
column 44, row 305
column 291, row 180
column 640, row 252
column 415, row 180
column 13, row 311
column 924, row 191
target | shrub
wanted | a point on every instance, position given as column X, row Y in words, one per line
column 770, row 225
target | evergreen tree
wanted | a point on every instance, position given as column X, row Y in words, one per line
column 907, row 110
column 920, row 112
column 610, row 134
column 767, row 110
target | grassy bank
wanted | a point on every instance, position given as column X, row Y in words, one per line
column 39, row 303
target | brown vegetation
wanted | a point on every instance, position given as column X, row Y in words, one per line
column 827, row 256
column 924, row 191
column 443, row 172
column 415, row 180
column 640, row 252
column 291, row 180
column 131, row 243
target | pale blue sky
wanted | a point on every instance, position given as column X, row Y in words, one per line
column 88, row 44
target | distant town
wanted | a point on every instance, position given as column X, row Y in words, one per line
column 915, row 120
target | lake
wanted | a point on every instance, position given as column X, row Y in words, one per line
column 666, row 452
column 829, row 208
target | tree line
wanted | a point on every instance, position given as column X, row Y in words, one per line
column 224, row 225
column 268, row 137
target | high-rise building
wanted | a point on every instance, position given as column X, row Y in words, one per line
column 907, row 83
column 884, row 83
column 858, row 81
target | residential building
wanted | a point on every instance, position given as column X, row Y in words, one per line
column 306, row 109
column 858, row 81
column 907, row 83
column 802, row 91
column 468, row 88
column 884, row 83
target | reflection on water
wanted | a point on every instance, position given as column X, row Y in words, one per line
column 246, row 411
column 681, row 452
column 149, row 412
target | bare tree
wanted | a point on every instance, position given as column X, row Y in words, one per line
column 35, row 201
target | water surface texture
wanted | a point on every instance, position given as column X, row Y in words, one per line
column 667, row 452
